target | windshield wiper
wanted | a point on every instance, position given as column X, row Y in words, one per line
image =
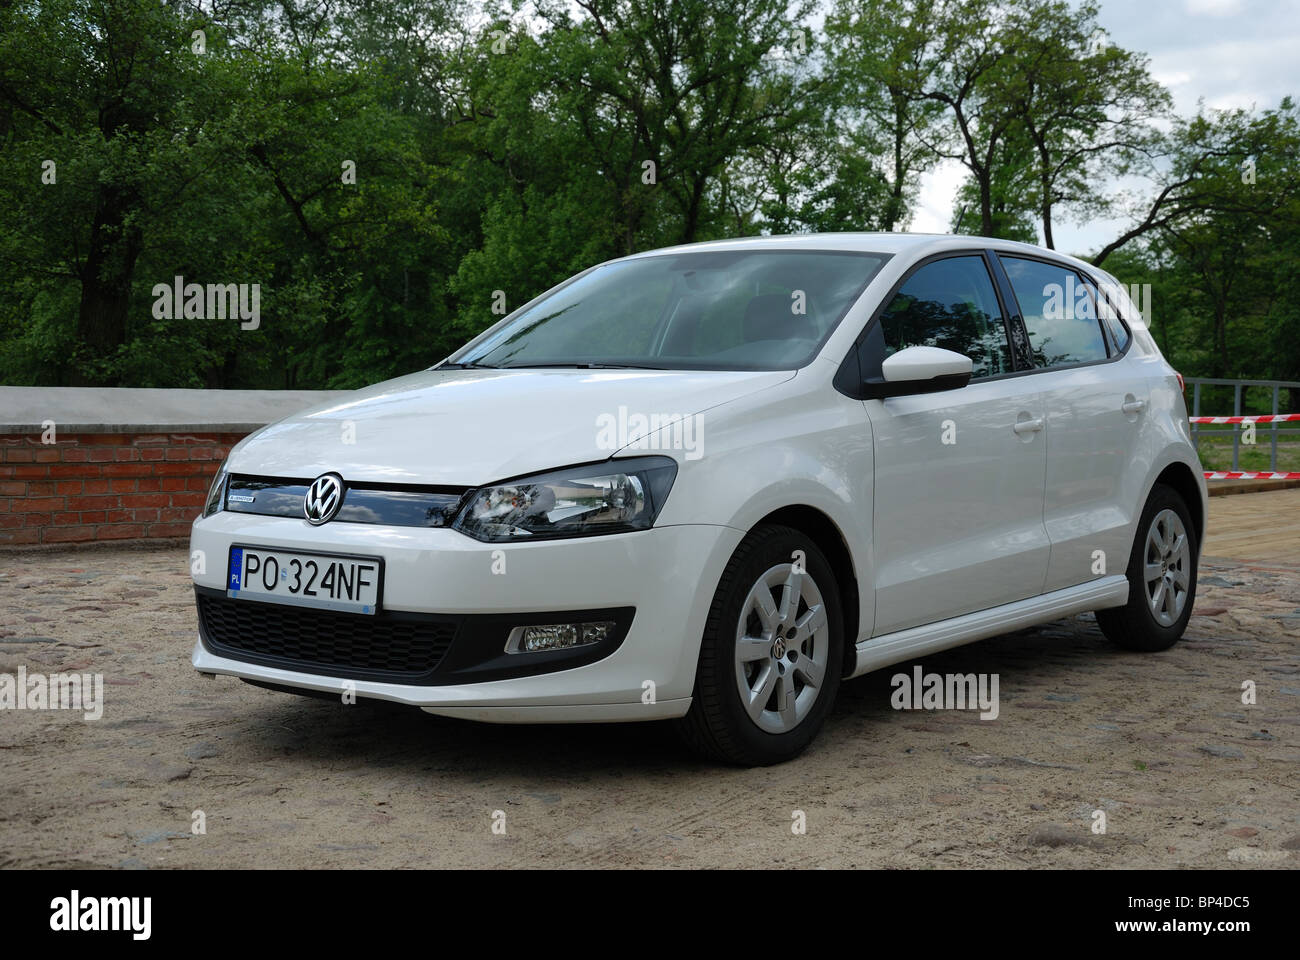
column 467, row 365
column 581, row 366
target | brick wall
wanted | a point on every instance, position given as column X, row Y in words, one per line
column 105, row 486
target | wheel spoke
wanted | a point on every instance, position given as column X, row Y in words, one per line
column 1153, row 572
column 753, row 648
column 761, row 691
column 811, row 671
column 1158, row 598
column 790, row 594
column 812, row 621
column 765, row 607
column 785, row 701
column 1180, row 577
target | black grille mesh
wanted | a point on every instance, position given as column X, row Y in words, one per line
column 392, row 647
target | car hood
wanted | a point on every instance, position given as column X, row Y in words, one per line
column 470, row 427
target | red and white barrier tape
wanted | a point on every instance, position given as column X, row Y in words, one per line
column 1272, row 418
column 1234, row 475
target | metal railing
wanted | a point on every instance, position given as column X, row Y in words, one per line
column 1275, row 430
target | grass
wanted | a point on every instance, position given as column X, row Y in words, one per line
column 1216, row 451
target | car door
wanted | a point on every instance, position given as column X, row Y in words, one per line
column 1095, row 405
column 959, row 474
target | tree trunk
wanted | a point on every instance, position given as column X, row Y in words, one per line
column 106, row 282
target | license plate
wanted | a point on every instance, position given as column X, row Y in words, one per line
column 324, row 581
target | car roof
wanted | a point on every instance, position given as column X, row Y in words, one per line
column 917, row 245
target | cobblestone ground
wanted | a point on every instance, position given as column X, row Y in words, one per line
column 1185, row 774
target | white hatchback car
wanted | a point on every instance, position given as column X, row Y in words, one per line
column 708, row 483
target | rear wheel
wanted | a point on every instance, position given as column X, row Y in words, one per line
column 1161, row 577
column 771, row 655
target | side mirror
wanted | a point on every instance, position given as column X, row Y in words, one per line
column 920, row 370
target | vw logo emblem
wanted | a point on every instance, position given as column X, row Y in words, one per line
column 324, row 497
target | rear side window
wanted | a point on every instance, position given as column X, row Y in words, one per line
column 1107, row 309
column 1059, row 311
column 949, row 303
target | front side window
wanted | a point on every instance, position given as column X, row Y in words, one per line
column 1059, row 311
column 949, row 303
column 722, row 310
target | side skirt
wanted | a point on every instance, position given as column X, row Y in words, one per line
column 891, row 648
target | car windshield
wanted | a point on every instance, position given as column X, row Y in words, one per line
column 721, row 310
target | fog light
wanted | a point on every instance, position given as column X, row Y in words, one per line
column 557, row 636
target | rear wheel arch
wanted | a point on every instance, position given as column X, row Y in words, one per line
column 1180, row 477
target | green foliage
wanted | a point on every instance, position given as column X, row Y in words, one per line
column 500, row 147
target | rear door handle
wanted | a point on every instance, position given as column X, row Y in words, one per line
column 1134, row 406
column 1028, row 426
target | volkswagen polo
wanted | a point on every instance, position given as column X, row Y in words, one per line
column 706, row 484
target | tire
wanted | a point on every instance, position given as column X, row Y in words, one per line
column 719, row 725
column 1143, row 623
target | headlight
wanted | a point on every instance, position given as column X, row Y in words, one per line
column 216, row 501
column 612, row 497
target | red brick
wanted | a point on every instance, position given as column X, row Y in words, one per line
column 199, row 483
column 106, row 439
column 37, row 472
column 4, row 504
column 150, row 484
column 101, row 454
column 176, row 514
column 48, row 455
column 169, row 530
column 39, row 504
column 76, row 455
column 95, row 486
column 146, row 515
column 177, row 453
column 122, row 454
column 12, row 488
column 144, row 500
column 69, row 534
column 65, row 487
column 94, row 516
column 6, row 471
column 74, row 470
column 94, row 503
column 118, row 516
column 188, row 499
column 124, row 485
column 171, row 484
column 200, row 453
column 152, row 453
column 170, row 469
column 120, row 531
column 151, row 438
column 35, row 519
column 65, row 519
column 41, row 488
column 129, row 469
column 19, row 455
column 9, row 521
column 28, row 535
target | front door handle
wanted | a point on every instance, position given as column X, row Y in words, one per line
column 1134, row 406
column 1028, row 426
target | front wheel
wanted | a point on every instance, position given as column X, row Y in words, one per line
column 1161, row 578
column 771, row 655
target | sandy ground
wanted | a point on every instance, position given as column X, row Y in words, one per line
column 1186, row 775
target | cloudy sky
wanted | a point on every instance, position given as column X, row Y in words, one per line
column 1229, row 53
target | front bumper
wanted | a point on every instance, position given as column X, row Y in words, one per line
column 667, row 574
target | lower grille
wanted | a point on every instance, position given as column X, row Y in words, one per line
column 389, row 646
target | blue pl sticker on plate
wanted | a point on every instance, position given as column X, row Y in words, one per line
column 236, row 566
